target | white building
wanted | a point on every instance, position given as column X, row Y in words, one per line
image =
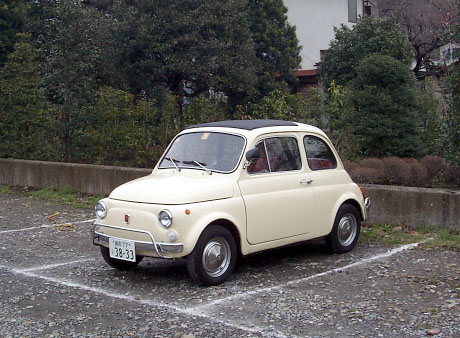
column 315, row 21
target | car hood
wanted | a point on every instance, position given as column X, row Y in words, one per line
column 173, row 189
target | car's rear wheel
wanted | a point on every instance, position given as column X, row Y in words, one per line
column 214, row 257
column 346, row 229
column 117, row 263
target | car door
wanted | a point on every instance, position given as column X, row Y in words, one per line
column 327, row 179
column 276, row 191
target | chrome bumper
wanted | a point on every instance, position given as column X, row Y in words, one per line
column 159, row 248
column 367, row 205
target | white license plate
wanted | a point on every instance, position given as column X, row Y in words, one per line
column 122, row 249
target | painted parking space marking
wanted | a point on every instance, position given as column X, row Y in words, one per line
column 52, row 266
column 43, row 226
column 149, row 302
column 203, row 308
column 27, row 229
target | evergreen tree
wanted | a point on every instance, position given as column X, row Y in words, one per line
column 350, row 45
column 186, row 47
column 26, row 127
column 276, row 45
column 75, row 58
column 451, row 124
column 12, row 19
column 384, row 119
column 372, row 62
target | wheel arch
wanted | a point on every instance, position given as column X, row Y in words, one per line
column 356, row 204
column 230, row 226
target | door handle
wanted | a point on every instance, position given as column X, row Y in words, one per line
column 307, row 181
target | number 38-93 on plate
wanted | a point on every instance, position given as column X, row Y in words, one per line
column 122, row 249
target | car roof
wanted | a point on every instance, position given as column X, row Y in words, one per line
column 246, row 124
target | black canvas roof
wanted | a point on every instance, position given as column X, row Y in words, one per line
column 245, row 124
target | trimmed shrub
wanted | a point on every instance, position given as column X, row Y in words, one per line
column 431, row 171
column 396, row 171
column 435, row 166
column 418, row 175
column 366, row 175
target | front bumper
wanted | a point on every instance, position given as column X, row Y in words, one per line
column 154, row 248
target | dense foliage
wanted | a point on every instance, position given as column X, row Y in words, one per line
column 370, row 63
column 112, row 81
column 350, row 45
column 451, row 122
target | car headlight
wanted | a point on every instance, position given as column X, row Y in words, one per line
column 100, row 209
column 165, row 218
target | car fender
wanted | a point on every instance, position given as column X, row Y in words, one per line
column 357, row 200
column 226, row 211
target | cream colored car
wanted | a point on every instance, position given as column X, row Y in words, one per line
column 231, row 188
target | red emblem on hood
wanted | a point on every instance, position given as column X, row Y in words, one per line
column 127, row 218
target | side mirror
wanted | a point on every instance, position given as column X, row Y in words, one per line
column 252, row 154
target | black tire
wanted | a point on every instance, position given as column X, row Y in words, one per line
column 346, row 229
column 117, row 263
column 214, row 257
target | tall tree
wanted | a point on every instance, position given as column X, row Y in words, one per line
column 451, row 125
column 187, row 47
column 276, row 45
column 243, row 49
column 26, row 127
column 384, row 119
column 350, row 45
column 372, row 62
column 12, row 20
column 426, row 23
column 74, row 44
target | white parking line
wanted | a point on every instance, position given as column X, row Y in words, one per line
column 52, row 266
column 42, row 226
column 26, row 229
column 152, row 303
column 202, row 308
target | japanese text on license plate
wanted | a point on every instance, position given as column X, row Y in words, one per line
column 122, row 249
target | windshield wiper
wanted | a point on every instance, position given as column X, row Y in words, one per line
column 200, row 164
column 173, row 160
column 203, row 167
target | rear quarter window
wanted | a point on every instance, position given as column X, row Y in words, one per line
column 319, row 154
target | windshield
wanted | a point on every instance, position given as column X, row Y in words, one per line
column 205, row 151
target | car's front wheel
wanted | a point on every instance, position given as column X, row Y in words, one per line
column 346, row 229
column 118, row 263
column 214, row 257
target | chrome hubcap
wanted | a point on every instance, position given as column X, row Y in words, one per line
column 216, row 257
column 347, row 229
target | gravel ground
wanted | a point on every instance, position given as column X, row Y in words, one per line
column 55, row 284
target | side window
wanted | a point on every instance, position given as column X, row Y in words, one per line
column 283, row 155
column 261, row 164
column 319, row 155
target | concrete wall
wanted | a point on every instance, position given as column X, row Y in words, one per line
column 86, row 178
column 414, row 207
column 315, row 21
column 390, row 205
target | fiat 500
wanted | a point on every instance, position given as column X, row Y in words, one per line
column 233, row 188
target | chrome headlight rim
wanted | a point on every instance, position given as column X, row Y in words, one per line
column 100, row 209
column 165, row 218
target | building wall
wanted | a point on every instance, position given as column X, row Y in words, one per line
column 315, row 21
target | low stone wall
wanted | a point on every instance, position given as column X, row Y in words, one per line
column 414, row 207
column 86, row 178
column 390, row 205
